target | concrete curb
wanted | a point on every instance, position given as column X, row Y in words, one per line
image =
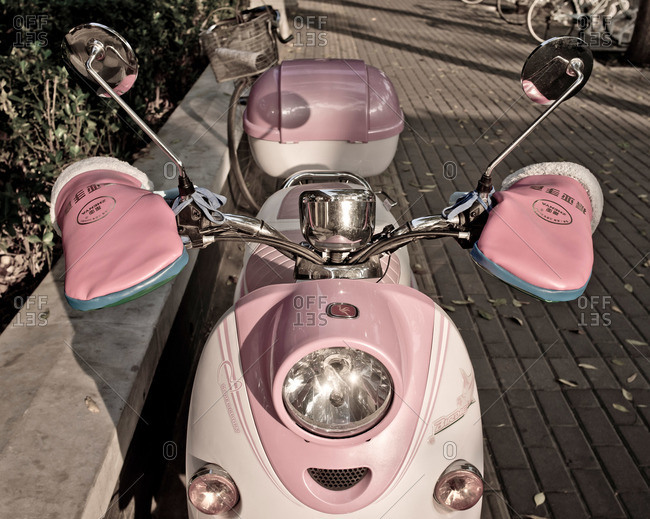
column 74, row 383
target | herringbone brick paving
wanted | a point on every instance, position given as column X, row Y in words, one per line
column 456, row 69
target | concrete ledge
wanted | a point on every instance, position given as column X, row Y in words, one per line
column 74, row 383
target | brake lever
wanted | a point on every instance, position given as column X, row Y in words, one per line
column 197, row 214
column 190, row 223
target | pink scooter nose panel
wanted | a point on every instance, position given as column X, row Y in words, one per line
column 538, row 237
column 120, row 241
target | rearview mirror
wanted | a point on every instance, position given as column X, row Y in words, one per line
column 115, row 62
column 551, row 69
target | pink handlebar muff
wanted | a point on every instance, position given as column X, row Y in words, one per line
column 538, row 237
column 120, row 240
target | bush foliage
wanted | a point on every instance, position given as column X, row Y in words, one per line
column 48, row 119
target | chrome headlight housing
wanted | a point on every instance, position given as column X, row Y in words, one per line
column 337, row 392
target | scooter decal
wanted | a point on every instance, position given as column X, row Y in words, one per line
column 239, row 408
column 227, row 386
column 342, row 310
column 436, row 362
column 442, row 341
column 227, row 381
column 465, row 400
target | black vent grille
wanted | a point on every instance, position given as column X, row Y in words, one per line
column 338, row 479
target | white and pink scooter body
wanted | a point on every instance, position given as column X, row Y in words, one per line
column 238, row 421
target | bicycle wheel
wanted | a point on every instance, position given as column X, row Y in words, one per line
column 621, row 26
column 513, row 11
column 550, row 18
column 234, row 123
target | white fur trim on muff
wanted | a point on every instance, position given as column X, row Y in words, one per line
column 565, row 169
column 94, row 164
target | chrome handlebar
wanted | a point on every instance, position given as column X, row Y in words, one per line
column 250, row 229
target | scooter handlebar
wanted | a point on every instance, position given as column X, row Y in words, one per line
column 390, row 239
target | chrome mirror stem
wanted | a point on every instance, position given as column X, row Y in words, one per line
column 574, row 68
column 97, row 50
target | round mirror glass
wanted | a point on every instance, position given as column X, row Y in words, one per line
column 547, row 73
column 116, row 63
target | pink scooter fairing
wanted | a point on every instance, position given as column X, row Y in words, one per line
column 290, row 465
column 238, row 419
column 332, row 386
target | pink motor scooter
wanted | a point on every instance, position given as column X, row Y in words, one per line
column 332, row 386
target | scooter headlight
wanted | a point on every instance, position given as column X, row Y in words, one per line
column 337, row 392
column 459, row 487
column 212, row 491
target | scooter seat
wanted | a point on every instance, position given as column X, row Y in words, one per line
column 120, row 240
column 538, row 237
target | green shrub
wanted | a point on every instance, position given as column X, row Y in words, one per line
column 48, row 119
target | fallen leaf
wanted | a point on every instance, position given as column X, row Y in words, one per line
column 587, row 366
column 566, row 382
column 613, row 191
column 628, row 287
column 519, row 321
column 620, row 408
column 91, row 405
column 498, row 302
column 449, row 308
column 577, row 331
column 618, row 362
column 539, row 498
column 642, row 405
column 485, row 314
column 627, row 395
column 610, row 220
column 617, row 309
column 631, row 378
column 406, row 162
column 634, row 342
column 428, row 190
column 519, row 304
column 467, row 301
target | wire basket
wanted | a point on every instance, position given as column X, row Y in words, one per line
column 241, row 46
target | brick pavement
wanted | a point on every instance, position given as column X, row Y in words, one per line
column 456, row 69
